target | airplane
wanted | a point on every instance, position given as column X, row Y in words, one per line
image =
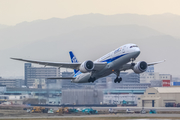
column 113, row 62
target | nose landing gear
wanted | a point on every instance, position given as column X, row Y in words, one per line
column 132, row 60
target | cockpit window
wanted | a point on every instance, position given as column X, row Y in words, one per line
column 133, row 46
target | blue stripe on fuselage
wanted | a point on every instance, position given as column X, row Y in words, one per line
column 114, row 58
column 78, row 73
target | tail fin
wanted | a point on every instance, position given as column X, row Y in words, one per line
column 73, row 60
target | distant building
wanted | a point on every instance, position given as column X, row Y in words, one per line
column 156, row 83
column 2, row 89
column 123, row 86
column 119, row 98
column 150, row 69
column 147, row 77
column 165, row 77
column 126, row 78
column 39, row 83
column 82, row 96
column 159, row 96
column 13, row 83
column 13, row 99
column 130, row 77
column 175, row 79
column 67, row 83
column 32, row 73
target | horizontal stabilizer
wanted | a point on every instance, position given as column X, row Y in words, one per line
column 62, row 78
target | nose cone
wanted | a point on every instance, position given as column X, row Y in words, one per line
column 137, row 51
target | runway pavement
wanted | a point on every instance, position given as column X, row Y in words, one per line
column 126, row 116
column 132, row 108
column 140, row 108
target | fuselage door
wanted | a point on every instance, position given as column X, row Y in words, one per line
column 111, row 55
column 123, row 49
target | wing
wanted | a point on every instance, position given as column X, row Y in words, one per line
column 64, row 78
column 98, row 65
column 153, row 63
column 130, row 66
column 55, row 64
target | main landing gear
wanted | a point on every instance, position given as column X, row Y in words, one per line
column 117, row 79
column 92, row 79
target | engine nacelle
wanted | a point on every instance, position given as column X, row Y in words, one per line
column 140, row 67
column 86, row 66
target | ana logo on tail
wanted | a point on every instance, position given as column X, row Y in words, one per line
column 74, row 60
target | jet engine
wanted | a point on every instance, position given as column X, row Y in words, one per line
column 140, row 67
column 86, row 66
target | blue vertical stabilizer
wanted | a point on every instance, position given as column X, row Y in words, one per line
column 73, row 60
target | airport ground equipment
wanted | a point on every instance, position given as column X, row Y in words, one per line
column 124, row 103
column 28, row 110
column 62, row 110
column 2, row 101
column 45, row 110
column 178, row 105
column 112, row 111
column 129, row 111
column 50, row 111
column 65, row 110
column 89, row 111
column 79, row 109
column 143, row 111
column 128, row 103
column 39, row 110
column 73, row 110
column 152, row 111
column 59, row 111
column 170, row 104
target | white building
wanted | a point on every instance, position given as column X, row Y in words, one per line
column 39, row 83
column 117, row 99
column 31, row 73
column 14, row 99
column 147, row 77
column 13, row 83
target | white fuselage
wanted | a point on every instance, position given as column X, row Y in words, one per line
column 115, row 60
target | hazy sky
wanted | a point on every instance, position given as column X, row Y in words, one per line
column 16, row 11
